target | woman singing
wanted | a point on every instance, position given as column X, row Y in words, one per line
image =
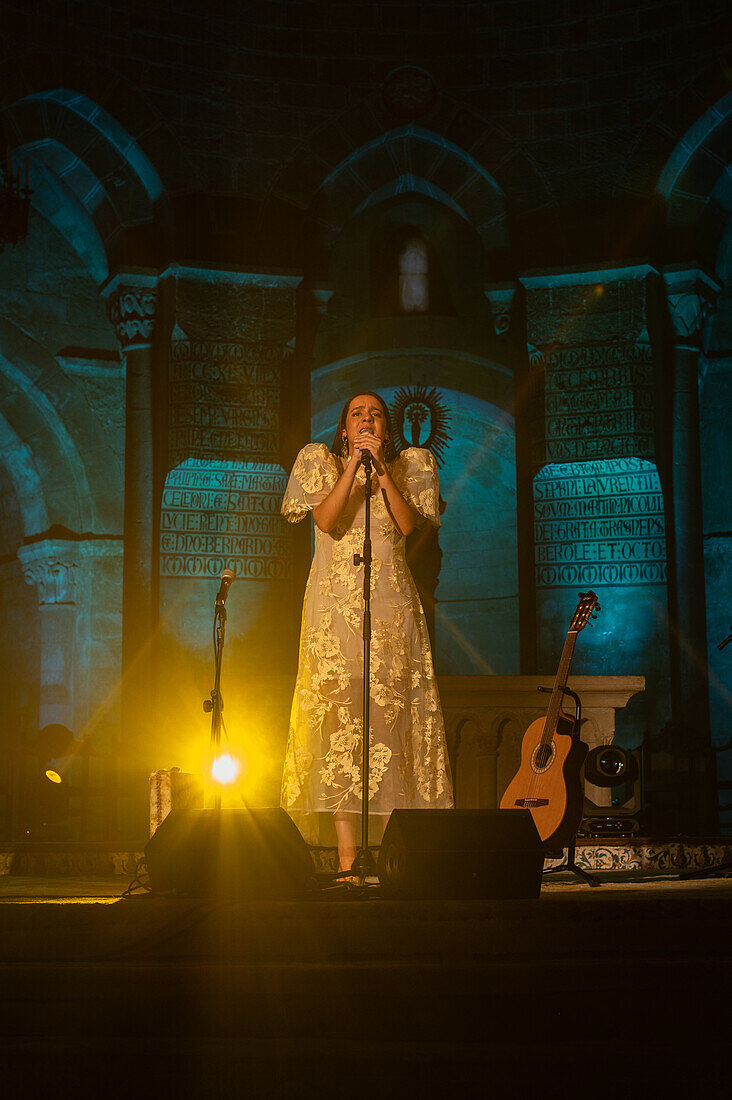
column 407, row 755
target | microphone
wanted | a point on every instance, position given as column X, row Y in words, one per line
column 367, row 457
column 228, row 576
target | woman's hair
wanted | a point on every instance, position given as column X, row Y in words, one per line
column 390, row 450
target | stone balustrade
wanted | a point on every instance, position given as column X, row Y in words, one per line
column 487, row 716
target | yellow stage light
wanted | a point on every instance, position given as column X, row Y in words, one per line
column 225, row 769
column 53, row 776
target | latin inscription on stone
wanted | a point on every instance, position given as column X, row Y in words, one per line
column 599, row 523
column 224, row 401
column 599, row 403
column 225, row 516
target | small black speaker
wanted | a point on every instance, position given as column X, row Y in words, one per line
column 461, row 854
column 248, row 854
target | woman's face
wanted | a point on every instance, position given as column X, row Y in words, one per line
column 365, row 413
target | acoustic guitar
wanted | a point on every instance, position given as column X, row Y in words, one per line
column 548, row 782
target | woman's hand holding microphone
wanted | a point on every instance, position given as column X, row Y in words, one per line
column 367, row 441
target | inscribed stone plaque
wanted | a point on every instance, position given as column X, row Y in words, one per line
column 224, row 400
column 225, row 515
column 599, row 523
column 599, row 402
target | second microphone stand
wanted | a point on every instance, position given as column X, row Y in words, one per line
column 215, row 703
column 364, row 864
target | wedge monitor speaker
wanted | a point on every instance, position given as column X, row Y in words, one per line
column 461, row 854
column 247, row 854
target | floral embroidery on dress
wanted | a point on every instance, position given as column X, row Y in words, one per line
column 298, row 764
column 407, row 757
column 313, row 476
column 415, row 475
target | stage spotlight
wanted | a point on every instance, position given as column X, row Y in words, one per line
column 225, row 770
column 53, row 741
column 44, row 806
column 617, row 770
column 609, row 766
column 43, row 794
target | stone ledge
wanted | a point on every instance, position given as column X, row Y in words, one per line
column 647, row 854
column 642, row 854
column 59, row 858
column 522, row 691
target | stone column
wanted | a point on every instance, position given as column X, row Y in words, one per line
column 229, row 362
column 509, row 324
column 690, row 295
column 132, row 300
column 591, row 378
column 52, row 567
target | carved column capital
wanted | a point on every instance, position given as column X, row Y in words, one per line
column 501, row 297
column 131, row 304
column 53, row 568
column 537, row 359
column 691, row 296
column 321, row 296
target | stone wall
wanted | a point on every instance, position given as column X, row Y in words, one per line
column 240, row 92
column 215, row 180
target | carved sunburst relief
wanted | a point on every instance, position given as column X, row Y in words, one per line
column 421, row 419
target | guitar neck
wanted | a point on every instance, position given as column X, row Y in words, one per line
column 560, row 682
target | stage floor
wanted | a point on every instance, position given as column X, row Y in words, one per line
column 108, row 888
column 618, row 990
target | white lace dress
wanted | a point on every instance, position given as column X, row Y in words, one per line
column 407, row 753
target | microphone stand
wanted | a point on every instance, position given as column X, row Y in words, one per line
column 215, row 703
column 364, row 864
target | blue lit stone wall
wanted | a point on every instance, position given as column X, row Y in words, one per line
column 20, row 634
column 600, row 525
column 256, row 141
column 598, row 506
column 61, row 487
column 716, row 453
column 715, row 411
column 224, row 515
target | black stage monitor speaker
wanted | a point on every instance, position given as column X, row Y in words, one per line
column 248, row 854
column 461, row 854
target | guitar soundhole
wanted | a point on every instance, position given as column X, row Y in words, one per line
column 543, row 756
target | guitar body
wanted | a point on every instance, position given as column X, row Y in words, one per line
column 548, row 782
column 551, row 790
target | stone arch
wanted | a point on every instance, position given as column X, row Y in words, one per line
column 696, row 181
column 61, row 480
column 100, row 143
column 466, row 151
column 63, row 210
column 412, row 159
column 25, row 477
column 680, row 161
